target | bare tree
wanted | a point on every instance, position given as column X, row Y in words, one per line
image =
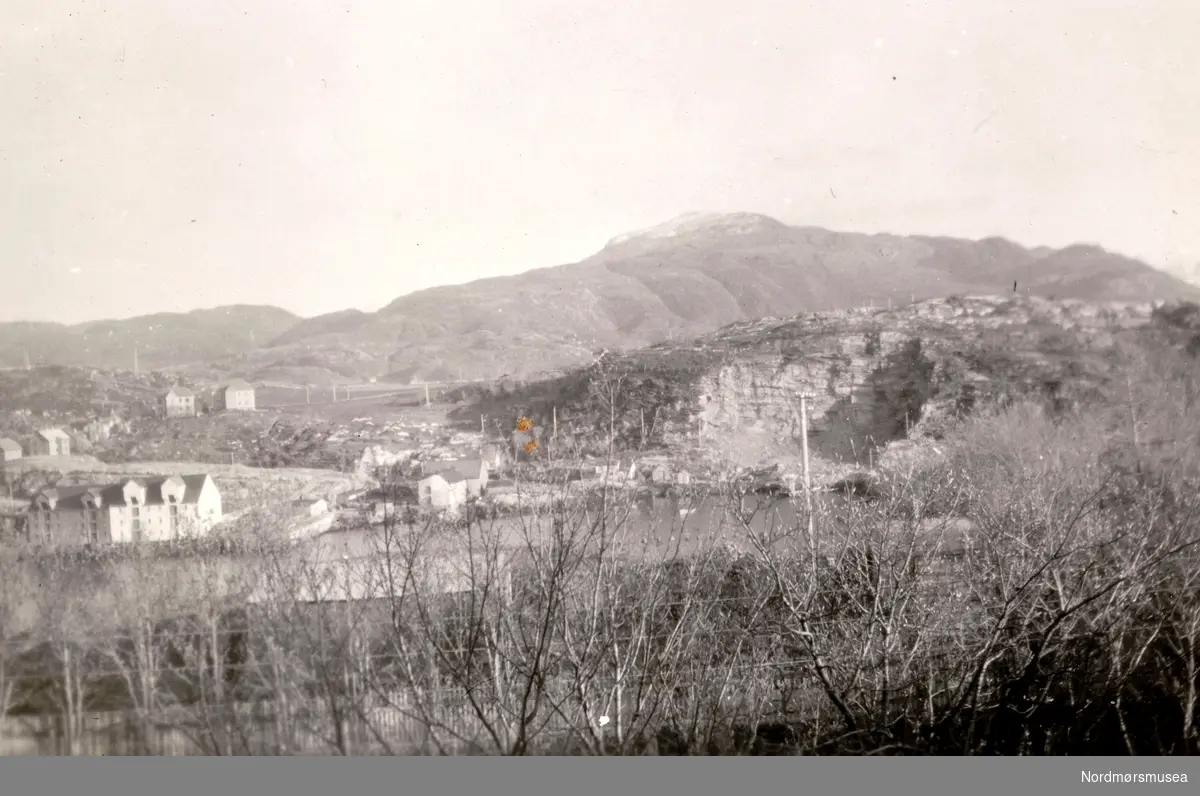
column 142, row 598
column 17, row 615
column 70, row 620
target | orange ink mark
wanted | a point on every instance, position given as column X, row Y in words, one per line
column 530, row 446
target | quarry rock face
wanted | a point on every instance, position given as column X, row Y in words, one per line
column 761, row 394
column 886, row 375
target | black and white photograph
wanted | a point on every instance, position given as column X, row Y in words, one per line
column 567, row 378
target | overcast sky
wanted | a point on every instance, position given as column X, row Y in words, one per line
column 162, row 155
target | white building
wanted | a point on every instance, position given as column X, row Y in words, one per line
column 236, row 396
column 135, row 510
column 443, row 490
column 52, row 442
column 474, row 472
column 179, row 402
column 10, row 450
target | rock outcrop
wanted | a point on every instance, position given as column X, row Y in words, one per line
column 879, row 376
column 875, row 376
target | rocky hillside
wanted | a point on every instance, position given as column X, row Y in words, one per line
column 80, row 392
column 876, row 376
column 674, row 281
column 160, row 340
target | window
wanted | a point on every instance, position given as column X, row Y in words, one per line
column 93, row 525
column 135, row 514
column 174, row 518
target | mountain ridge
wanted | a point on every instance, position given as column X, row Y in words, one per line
column 684, row 277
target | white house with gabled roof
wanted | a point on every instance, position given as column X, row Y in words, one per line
column 180, row 402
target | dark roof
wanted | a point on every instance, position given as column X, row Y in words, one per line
column 71, row 497
column 465, row 468
column 9, row 445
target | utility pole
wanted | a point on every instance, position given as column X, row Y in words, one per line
column 1133, row 418
column 482, row 428
column 642, row 412
column 555, row 409
column 805, row 397
column 426, row 395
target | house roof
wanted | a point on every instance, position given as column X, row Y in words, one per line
column 9, row 445
column 238, row 385
column 464, row 468
column 181, row 392
column 53, row 433
column 449, row 476
column 71, row 497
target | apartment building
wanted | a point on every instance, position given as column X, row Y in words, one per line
column 134, row 510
